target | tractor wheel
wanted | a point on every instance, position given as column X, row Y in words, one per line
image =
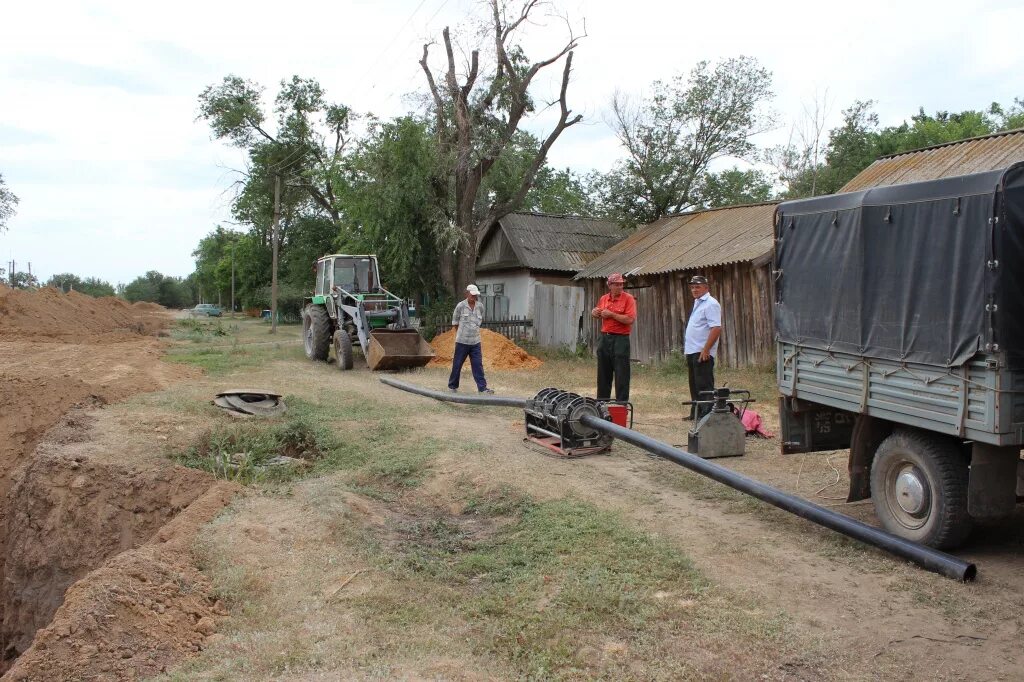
column 316, row 332
column 343, row 349
column 919, row 488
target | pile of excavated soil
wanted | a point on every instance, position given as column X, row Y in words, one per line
column 498, row 352
column 49, row 314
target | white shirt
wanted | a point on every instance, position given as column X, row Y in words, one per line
column 706, row 315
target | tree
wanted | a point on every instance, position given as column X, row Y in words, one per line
column 734, row 186
column 171, row 292
column 91, row 286
column 859, row 140
column 8, row 204
column 306, row 146
column 23, row 280
column 672, row 139
column 391, row 205
column 214, row 256
column 476, row 120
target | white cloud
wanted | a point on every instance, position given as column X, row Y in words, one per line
column 98, row 134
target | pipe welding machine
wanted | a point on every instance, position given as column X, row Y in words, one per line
column 553, row 422
column 720, row 432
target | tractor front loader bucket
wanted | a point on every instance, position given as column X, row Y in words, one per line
column 397, row 349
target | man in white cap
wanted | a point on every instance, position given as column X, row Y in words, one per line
column 467, row 318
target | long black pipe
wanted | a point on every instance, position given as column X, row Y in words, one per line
column 479, row 399
column 925, row 557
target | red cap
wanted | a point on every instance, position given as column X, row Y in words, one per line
column 616, row 278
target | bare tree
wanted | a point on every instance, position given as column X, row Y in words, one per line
column 800, row 162
column 477, row 118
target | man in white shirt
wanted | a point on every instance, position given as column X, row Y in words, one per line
column 467, row 319
column 700, row 342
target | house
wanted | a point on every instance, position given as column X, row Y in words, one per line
column 524, row 249
column 731, row 246
column 973, row 155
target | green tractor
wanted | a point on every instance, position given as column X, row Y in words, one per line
column 350, row 306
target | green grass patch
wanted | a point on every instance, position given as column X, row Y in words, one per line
column 543, row 579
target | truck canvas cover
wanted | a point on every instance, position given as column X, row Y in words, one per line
column 928, row 272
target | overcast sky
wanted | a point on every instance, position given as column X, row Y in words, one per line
column 98, row 136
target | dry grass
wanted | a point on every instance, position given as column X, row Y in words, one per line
column 428, row 543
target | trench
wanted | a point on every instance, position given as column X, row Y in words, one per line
column 64, row 515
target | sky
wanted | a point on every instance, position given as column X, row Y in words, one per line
column 115, row 176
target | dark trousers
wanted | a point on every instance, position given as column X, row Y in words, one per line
column 702, row 378
column 613, row 361
column 476, row 363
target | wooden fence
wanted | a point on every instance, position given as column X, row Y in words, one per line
column 513, row 327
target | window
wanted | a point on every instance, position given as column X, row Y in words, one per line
column 483, row 289
column 499, row 289
column 320, row 279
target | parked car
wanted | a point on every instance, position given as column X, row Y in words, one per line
column 207, row 309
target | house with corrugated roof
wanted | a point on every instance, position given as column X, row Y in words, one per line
column 730, row 246
column 733, row 248
column 522, row 250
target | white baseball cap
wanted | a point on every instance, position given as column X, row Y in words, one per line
column 473, row 290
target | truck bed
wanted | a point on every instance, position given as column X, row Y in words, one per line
column 980, row 400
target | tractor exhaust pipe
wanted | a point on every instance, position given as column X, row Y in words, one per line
column 925, row 557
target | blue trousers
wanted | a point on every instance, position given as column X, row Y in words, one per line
column 476, row 363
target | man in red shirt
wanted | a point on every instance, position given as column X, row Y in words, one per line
column 617, row 312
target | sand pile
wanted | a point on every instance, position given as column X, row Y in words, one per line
column 49, row 314
column 498, row 352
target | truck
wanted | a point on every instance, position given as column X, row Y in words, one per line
column 350, row 306
column 899, row 323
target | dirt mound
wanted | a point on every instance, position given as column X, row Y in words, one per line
column 146, row 305
column 499, row 352
column 49, row 314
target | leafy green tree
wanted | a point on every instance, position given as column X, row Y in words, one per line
column 214, row 255
column 91, row 286
column 860, row 140
column 391, row 207
column 23, row 280
column 171, row 292
column 673, row 137
column 477, row 112
column 8, row 204
column 734, row 186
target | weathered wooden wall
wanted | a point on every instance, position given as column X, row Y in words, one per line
column 664, row 304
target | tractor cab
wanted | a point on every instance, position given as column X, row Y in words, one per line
column 350, row 274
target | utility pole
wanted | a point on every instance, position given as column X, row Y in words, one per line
column 232, row 279
column 273, row 275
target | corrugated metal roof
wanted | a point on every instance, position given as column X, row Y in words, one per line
column 564, row 243
column 976, row 155
column 702, row 239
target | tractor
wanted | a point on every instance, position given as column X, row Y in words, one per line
column 349, row 306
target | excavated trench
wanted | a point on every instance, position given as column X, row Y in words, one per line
column 65, row 515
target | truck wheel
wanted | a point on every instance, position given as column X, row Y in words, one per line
column 919, row 488
column 343, row 349
column 316, row 332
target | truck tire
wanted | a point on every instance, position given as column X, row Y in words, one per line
column 316, row 332
column 343, row 349
column 919, row 488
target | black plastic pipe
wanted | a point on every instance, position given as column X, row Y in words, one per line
column 479, row 399
column 925, row 557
